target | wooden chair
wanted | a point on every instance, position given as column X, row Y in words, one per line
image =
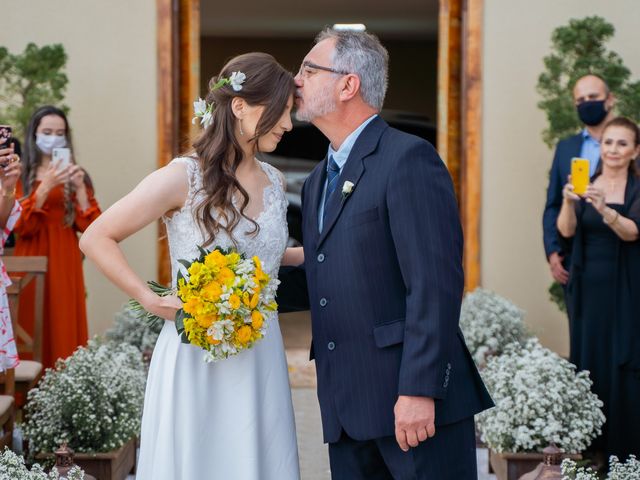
column 28, row 372
column 7, row 408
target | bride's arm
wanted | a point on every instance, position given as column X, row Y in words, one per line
column 293, row 256
column 160, row 192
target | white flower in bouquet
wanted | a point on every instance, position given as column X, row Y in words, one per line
column 489, row 323
column 540, row 399
column 92, row 400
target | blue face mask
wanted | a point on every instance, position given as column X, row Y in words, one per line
column 46, row 143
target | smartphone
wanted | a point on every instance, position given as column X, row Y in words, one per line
column 579, row 175
column 5, row 136
column 61, row 158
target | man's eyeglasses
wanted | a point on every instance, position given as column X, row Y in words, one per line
column 308, row 69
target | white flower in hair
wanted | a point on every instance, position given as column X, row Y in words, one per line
column 236, row 80
column 202, row 110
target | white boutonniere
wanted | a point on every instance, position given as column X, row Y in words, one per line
column 347, row 188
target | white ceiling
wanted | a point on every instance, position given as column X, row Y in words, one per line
column 303, row 18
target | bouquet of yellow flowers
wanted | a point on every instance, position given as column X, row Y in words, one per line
column 226, row 298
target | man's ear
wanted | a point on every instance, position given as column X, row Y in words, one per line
column 238, row 106
column 611, row 101
column 350, row 87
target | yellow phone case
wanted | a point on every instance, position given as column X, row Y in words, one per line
column 580, row 175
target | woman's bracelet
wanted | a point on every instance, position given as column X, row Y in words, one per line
column 611, row 222
column 9, row 194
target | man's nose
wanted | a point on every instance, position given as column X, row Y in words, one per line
column 298, row 80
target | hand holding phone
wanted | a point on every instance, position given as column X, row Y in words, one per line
column 579, row 175
column 61, row 158
column 6, row 135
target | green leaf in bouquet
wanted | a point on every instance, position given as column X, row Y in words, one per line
column 180, row 316
column 203, row 253
column 138, row 310
column 185, row 264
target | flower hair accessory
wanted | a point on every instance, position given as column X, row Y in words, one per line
column 204, row 110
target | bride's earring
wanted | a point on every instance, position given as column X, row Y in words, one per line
column 241, row 132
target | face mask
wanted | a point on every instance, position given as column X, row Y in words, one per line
column 46, row 143
column 592, row 113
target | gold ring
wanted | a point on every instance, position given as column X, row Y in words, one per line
column 16, row 158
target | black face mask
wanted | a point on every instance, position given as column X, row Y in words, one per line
column 592, row 113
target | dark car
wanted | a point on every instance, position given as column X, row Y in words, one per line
column 301, row 149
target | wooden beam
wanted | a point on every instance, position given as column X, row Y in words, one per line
column 178, row 42
column 450, row 87
column 471, row 173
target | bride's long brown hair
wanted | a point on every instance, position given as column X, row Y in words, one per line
column 267, row 83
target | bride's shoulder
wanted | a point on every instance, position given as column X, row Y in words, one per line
column 274, row 174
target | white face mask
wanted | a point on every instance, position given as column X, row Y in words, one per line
column 46, row 143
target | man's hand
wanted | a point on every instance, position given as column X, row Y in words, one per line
column 415, row 420
column 557, row 270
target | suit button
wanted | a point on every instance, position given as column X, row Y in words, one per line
column 321, row 258
column 323, row 302
column 331, row 346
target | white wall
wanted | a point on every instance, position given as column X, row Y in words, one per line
column 517, row 35
column 111, row 48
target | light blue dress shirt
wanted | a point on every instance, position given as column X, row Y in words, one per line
column 590, row 150
column 340, row 157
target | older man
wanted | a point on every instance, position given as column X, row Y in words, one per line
column 383, row 248
column 594, row 104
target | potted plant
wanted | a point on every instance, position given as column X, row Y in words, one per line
column 540, row 399
column 93, row 402
column 12, row 467
column 630, row 470
column 130, row 328
column 489, row 323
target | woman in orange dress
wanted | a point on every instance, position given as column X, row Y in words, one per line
column 57, row 202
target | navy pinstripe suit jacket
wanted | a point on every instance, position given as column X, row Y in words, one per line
column 385, row 284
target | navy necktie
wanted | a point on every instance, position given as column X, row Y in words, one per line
column 332, row 181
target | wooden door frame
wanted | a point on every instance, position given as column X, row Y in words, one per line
column 459, row 105
column 178, row 70
column 460, row 117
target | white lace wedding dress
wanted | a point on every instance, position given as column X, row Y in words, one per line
column 230, row 420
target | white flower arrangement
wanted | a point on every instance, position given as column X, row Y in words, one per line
column 630, row 470
column 128, row 328
column 12, row 467
column 489, row 323
column 204, row 110
column 92, row 400
column 540, row 399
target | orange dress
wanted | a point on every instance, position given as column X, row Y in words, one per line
column 41, row 231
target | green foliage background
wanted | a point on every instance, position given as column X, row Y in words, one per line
column 578, row 49
column 29, row 80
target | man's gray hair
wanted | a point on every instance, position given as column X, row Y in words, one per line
column 361, row 53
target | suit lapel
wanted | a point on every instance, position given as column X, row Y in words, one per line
column 352, row 171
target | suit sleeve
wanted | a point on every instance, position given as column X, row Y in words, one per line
column 427, row 235
column 552, row 207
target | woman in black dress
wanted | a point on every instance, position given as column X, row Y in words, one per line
column 604, row 285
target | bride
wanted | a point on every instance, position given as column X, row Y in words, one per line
column 232, row 419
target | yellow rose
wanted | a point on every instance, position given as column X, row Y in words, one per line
column 256, row 260
column 212, row 291
column 215, row 260
column 243, row 335
column 234, row 301
column 246, row 299
column 233, row 258
column 226, row 276
column 192, row 305
column 206, row 320
column 256, row 320
column 254, row 300
column 194, row 269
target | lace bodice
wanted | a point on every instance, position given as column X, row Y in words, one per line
column 269, row 243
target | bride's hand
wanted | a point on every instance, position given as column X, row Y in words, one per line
column 163, row 307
